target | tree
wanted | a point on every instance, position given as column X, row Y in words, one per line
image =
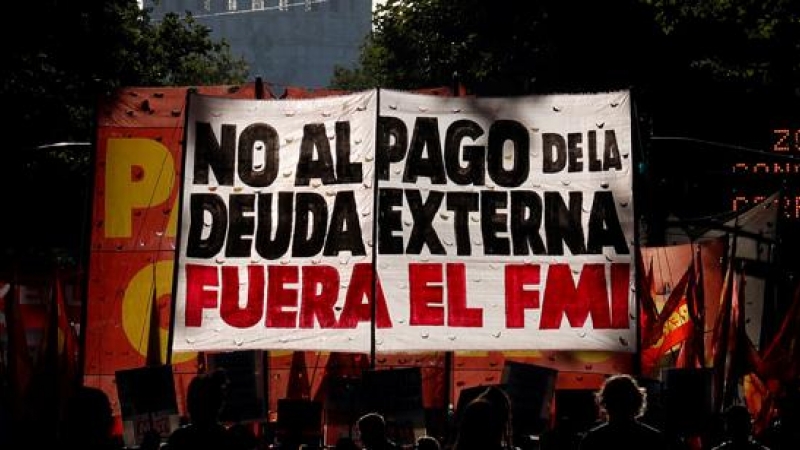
column 60, row 58
column 735, row 63
column 504, row 47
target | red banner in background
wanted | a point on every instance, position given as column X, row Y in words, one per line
column 134, row 223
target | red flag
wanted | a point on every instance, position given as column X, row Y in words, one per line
column 720, row 340
column 778, row 368
column 340, row 368
column 19, row 364
column 55, row 373
column 692, row 354
column 648, row 312
column 153, row 356
column 299, row 386
column 781, row 360
column 673, row 325
column 759, row 400
column 67, row 341
column 734, row 355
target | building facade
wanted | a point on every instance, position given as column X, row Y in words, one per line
column 285, row 42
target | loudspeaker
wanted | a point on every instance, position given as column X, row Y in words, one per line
column 245, row 400
column 146, row 390
column 531, row 388
column 688, row 399
column 300, row 415
column 392, row 391
column 342, row 394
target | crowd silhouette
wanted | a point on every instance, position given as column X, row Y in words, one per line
column 483, row 423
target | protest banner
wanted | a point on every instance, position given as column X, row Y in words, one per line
column 444, row 223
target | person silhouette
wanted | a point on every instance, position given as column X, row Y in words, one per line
column 427, row 442
column 485, row 423
column 88, row 421
column 205, row 398
column 623, row 402
column 738, row 426
column 372, row 429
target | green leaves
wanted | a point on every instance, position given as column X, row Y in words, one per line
column 61, row 58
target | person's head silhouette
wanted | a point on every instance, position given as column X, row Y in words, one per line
column 206, row 396
column 738, row 423
column 372, row 429
column 88, row 418
column 486, row 422
column 622, row 398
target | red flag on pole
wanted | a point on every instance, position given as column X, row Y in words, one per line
column 67, row 339
column 781, row 360
column 778, row 368
column 19, row 364
column 55, row 374
column 692, row 354
column 720, row 340
column 340, row 366
column 734, row 355
column 648, row 312
column 672, row 326
column 299, row 387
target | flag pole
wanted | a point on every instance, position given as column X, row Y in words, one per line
column 374, row 285
column 260, row 94
column 640, row 163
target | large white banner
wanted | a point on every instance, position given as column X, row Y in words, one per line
column 502, row 224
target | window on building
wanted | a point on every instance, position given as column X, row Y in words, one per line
column 257, row 4
column 231, row 5
column 283, row 5
column 204, row 5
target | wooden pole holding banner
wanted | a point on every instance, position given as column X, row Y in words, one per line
column 176, row 257
column 636, row 162
column 265, row 363
column 449, row 356
column 374, row 281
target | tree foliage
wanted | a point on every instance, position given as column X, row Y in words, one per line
column 504, row 47
column 60, row 58
column 709, row 48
